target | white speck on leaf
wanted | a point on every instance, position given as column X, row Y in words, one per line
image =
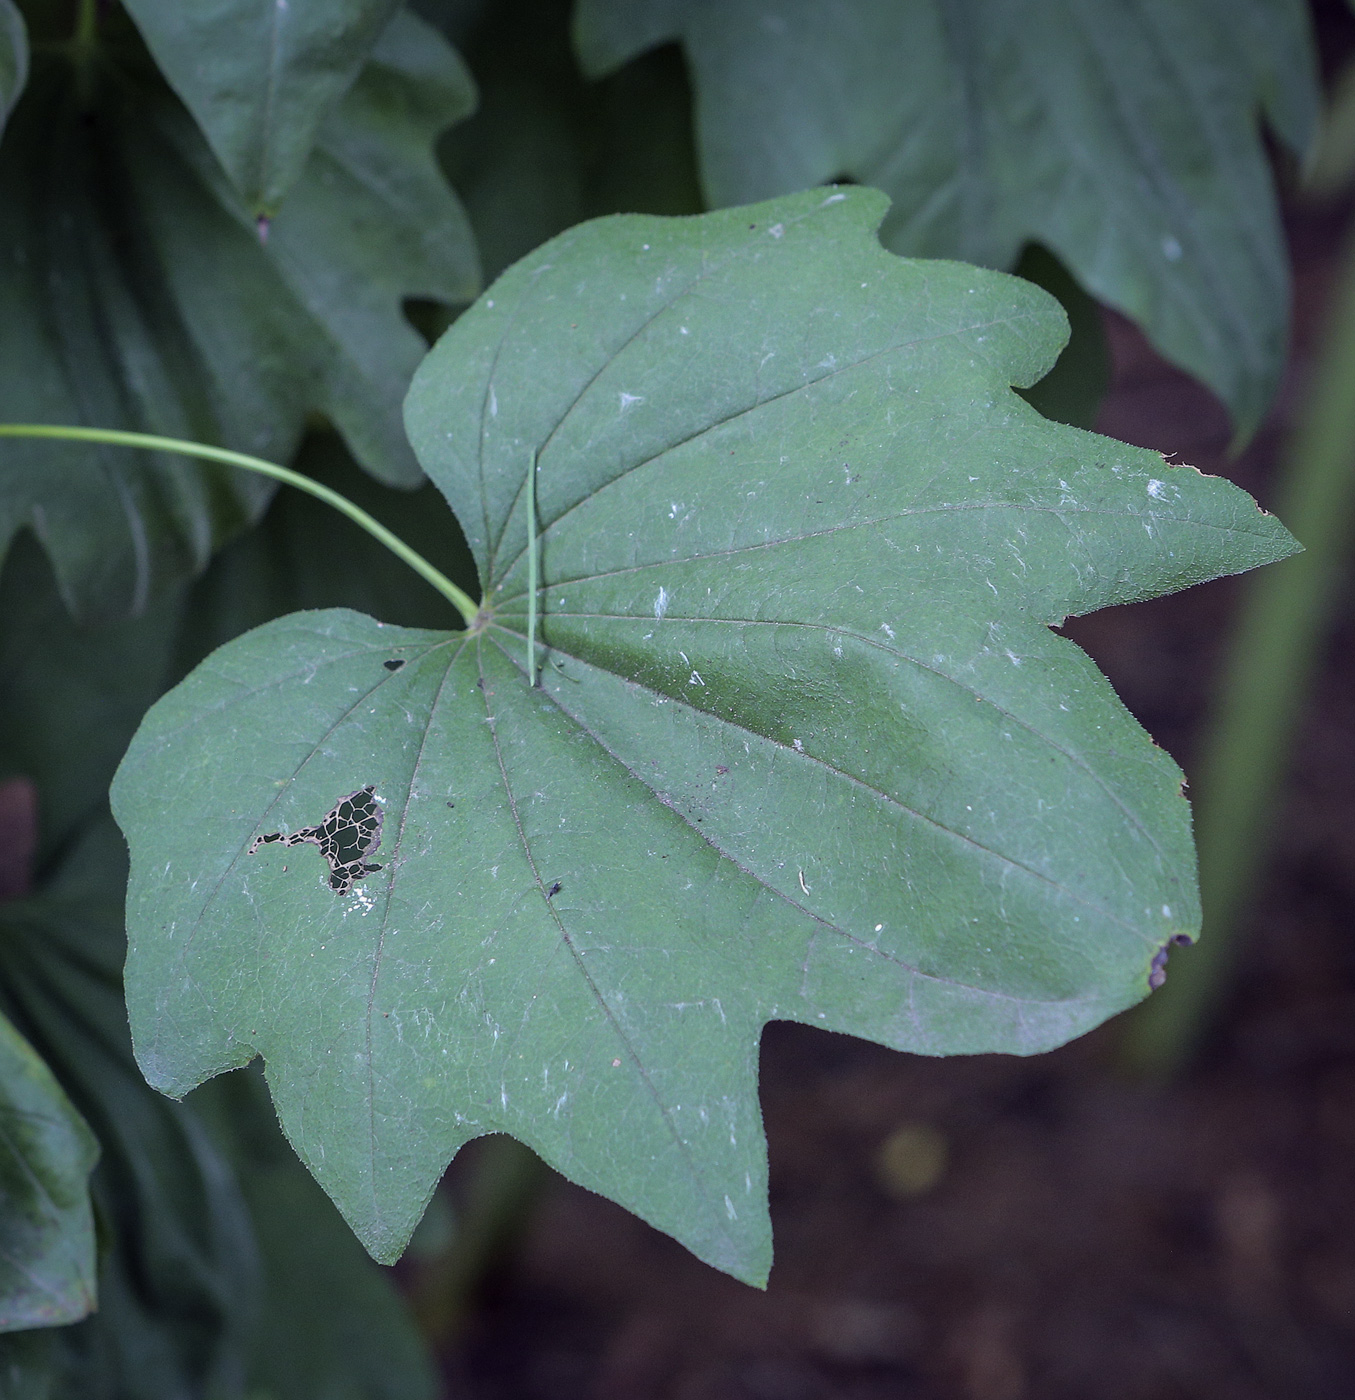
column 661, row 602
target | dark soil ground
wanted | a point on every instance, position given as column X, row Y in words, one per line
column 994, row 1228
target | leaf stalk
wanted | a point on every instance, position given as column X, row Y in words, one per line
column 117, row 437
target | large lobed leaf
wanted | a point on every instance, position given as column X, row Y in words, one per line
column 1123, row 137
column 13, row 58
column 137, row 293
column 261, row 76
column 803, row 748
column 47, row 1227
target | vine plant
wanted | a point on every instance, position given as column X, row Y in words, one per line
column 761, row 711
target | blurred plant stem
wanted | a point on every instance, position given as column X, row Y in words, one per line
column 505, row 1183
column 1263, row 691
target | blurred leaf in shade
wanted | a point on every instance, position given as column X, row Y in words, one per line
column 547, row 148
column 46, row 1225
column 140, row 293
column 1126, row 138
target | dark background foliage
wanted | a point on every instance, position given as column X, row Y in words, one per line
column 984, row 1229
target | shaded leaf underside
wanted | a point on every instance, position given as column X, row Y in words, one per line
column 260, row 77
column 803, row 748
column 47, row 1229
column 1124, row 137
column 137, row 294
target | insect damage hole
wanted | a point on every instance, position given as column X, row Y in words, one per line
column 346, row 836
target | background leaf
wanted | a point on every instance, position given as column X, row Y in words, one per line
column 1123, row 138
column 547, row 149
column 13, row 58
column 137, row 294
column 260, row 77
column 803, row 749
column 47, row 1227
column 26, row 1364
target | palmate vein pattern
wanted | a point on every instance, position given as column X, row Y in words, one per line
column 804, row 745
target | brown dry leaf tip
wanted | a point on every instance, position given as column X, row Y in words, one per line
column 346, row 836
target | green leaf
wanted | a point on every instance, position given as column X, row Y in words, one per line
column 137, row 294
column 260, row 77
column 70, row 699
column 1125, row 138
column 13, row 58
column 804, row 747
column 179, row 1284
column 46, row 1225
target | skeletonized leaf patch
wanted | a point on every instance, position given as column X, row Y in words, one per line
column 346, row 837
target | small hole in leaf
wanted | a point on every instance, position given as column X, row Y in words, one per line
column 394, row 663
column 346, row 836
